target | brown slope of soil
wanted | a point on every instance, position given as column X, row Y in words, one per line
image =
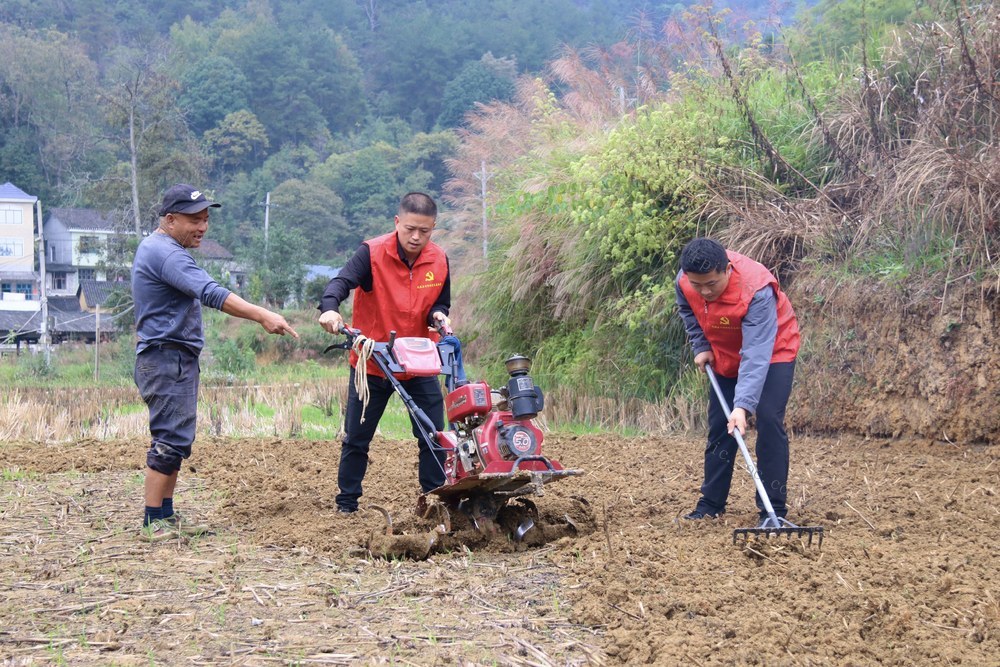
column 897, row 360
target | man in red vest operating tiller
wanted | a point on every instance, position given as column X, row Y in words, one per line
column 405, row 286
column 740, row 322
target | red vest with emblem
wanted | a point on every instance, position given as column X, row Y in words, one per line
column 722, row 320
column 401, row 297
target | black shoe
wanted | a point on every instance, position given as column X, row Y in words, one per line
column 346, row 510
column 697, row 515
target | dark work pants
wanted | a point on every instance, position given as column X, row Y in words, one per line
column 772, row 443
column 167, row 379
column 426, row 393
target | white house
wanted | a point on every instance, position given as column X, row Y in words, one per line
column 75, row 242
column 18, row 280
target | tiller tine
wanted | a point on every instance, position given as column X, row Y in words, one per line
column 779, row 526
column 385, row 514
column 527, row 524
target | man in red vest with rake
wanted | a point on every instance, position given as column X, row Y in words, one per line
column 405, row 286
column 740, row 322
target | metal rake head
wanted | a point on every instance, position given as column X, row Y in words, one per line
column 807, row 532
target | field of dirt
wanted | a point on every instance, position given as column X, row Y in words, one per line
column 907, row 573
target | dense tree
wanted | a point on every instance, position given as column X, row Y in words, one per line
column 139, row 100
column 316, row 212
column 333, row 79
column 304, row 83
column 18, row 160
column 476, row 82
column 47, row 106
column 367, row 182
column 426, row 154
column 211, row 89
column 238, row 142
column 242, row 215
column 278, row 267
column 835, row 27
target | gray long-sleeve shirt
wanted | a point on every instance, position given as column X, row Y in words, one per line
column 168, row 288
column 759, row 329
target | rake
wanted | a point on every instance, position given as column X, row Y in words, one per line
column 773, row 524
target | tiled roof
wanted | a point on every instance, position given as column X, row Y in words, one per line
column 22, row 322
column 79, row 322
column 96, row 292
column 18, row 275
column 82, row 219
column 11, row 192
column 64, row 304
column 211, row 250
column 28, row 324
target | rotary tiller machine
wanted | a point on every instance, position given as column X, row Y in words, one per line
column 492, row 450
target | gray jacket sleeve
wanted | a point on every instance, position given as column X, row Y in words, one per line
column 695, row 335
column 181, row 272
column 760, row 329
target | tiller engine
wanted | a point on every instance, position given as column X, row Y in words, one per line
column 492, row 451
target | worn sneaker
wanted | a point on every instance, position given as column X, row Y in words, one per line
column 159, row 530
column 341, row 509
column 186, row 526
column 698, row 515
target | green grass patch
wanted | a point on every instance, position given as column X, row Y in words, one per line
column 16, row 475
column 325, row 423
column 584, row 428
column 319, row 424
column 129, row 409
column 395, row 422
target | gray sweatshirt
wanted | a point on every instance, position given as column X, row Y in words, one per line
column 168, row 288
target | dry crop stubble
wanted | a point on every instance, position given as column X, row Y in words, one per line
column 906, row 566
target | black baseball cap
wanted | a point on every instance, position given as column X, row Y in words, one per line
column 183, row 198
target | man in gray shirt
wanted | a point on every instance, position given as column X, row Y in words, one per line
column 168, row 289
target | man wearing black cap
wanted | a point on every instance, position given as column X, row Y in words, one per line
column 169, row 289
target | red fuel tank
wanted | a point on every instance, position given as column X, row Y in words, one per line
column 472, row 399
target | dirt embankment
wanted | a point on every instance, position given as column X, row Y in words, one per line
column 892, row 361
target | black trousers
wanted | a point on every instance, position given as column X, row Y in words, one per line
column 771, row 450
column 426, row 393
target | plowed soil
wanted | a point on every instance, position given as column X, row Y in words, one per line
column 907, row 573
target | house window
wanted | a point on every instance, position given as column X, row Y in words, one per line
column 89, row 244
column 59, row 280
column 23, row 288
column 11, row 215
column 11, row 247
column 87, row 274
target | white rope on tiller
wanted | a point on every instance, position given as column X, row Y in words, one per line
column 363, row 347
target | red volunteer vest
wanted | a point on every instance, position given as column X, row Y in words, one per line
column 401, row 297
column 722, row 320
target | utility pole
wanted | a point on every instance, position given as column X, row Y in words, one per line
column 267, row 213
column 483, row 179
column 44, row 328
column 97, row 345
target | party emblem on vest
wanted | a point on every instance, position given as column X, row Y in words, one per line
column 724, row 321
column 429, row 276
